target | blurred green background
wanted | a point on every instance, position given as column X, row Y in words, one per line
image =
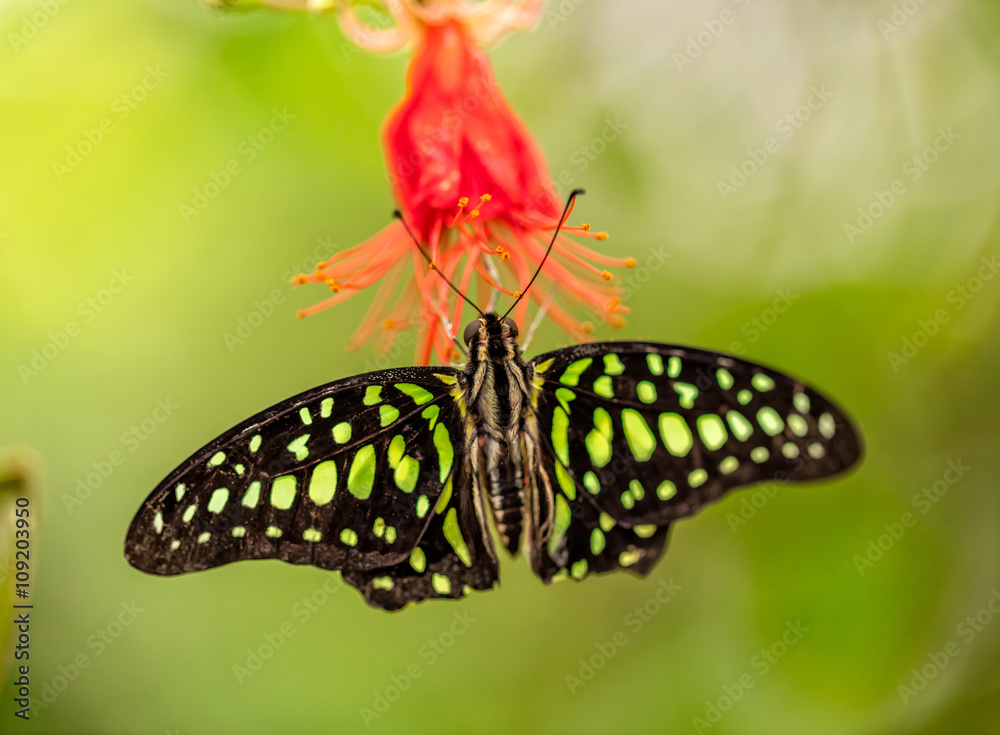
column 104, row 244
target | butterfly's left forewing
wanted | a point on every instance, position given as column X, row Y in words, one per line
column 345, row 476
column 636, row 435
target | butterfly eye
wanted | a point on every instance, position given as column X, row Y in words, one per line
column 471, row 330
column 511, row 326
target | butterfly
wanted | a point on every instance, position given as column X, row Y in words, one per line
column 583, row 457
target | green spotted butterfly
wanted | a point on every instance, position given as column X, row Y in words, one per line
column 584, row 456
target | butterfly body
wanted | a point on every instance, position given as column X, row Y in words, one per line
column 583, row 457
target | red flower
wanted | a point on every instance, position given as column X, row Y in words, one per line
column 474, row 187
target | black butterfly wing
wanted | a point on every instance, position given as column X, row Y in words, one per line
column 455, row 554
column 648, row 433
column 344, row 476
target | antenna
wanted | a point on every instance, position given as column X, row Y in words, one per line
column 433, row 266
column 569, row 203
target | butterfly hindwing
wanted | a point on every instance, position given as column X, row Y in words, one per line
column 652, row 432
column 570, row 535
column 344, row 476
column 455, row 554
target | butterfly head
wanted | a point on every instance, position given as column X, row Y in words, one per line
column 491, row 336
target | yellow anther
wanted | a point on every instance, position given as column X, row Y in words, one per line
column 485, row 197
column 606, row 275
column 612, row 304
column 585, row 226
column 301, row 314
column 616, row 321
column 299, row 279
column 321, row 265
column 474, row 213
column 463, row 201
column 630, row 262
column 587, row 327
column 517, row 294
column 601, row 236
column 504, row 255
column 432, row 265
column 334, row 286
column 388, row 324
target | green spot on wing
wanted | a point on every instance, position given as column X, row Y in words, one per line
column 326, row 408
column 252, row 496
column 712, row 431
column 342, row 432
column 742, row 429
column 361, row 476
column 423, row 505
column 396, row 449
column 559, row 524
column 323, row 482
column 446, row 452
column 762, row 382
column 579, row 569
column 348, row 537
column 373, row 395
column 560, row 434
column 418, row 560
column 597, row 541
column 255, row 443
column 564, row 396
column 306, row 417
column 655, row 363
column 387, row 414
column 770, row 421
column 431, row 414
column 565, row 481
column 453, row 534
column 298, row 447
column 311, row 534
column 687, row 393
column 445, row 496
column 218, row 500
column 603, row 387
column 419, row 395
column 644, row 531
column 666, row 490
column 744, row 397
column 441, row 584
column 675, row 434
column 725, row 378
column 571, row 375
column 217, row 459
column 646, row 391
column 406, row 474
column 613, row 365
column 638, row 435
column 697, row 478
column 283, row 492
column 591, row 482
column 674, row 366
